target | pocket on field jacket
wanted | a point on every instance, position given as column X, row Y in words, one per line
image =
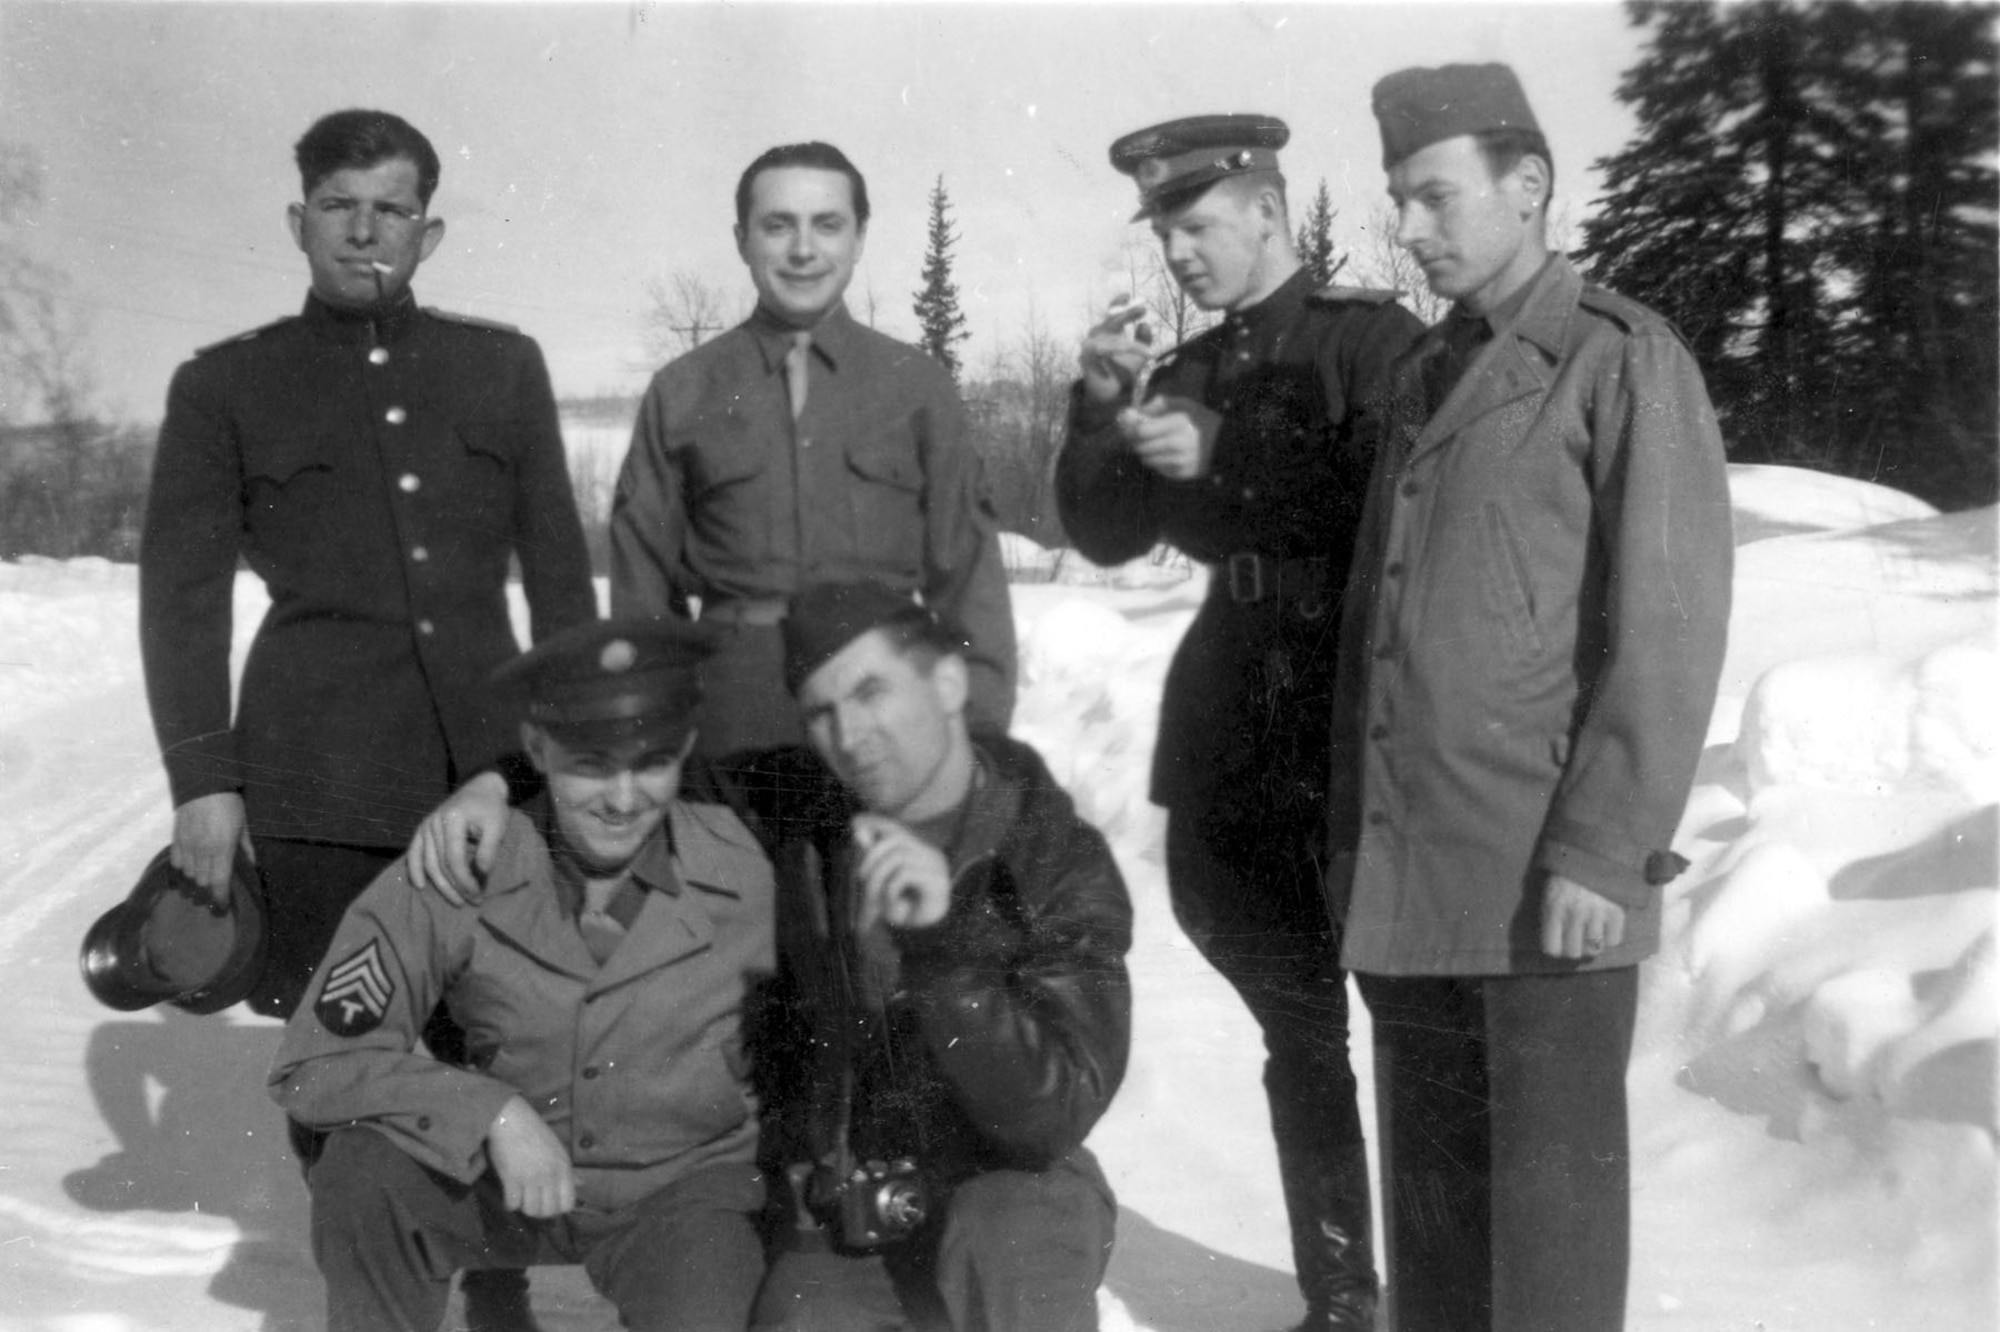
column 1510, row 590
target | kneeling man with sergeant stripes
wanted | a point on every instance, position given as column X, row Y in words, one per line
column 605, row 1116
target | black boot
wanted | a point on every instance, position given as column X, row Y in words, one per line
column 1327, row 1202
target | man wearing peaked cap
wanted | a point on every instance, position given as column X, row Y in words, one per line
column 604, row 1114
column 1528, row 659
column 1248, row 447
column 1181, row 157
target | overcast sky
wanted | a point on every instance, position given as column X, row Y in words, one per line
column 590, row 147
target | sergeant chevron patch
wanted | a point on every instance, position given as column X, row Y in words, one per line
column 357, row 993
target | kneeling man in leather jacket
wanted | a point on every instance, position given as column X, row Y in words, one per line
column 952, row 1012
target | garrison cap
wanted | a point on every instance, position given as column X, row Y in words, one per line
column 1183, row 156
column 612, row 680
column 1419, row 107
column 167, row 942
column 825, row 618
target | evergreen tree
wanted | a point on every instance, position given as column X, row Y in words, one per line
column 1812, row 198
column 938, row 315
column 1315, row 239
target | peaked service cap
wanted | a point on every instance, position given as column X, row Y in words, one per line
column 1182, row 156
column 169, row 942
column 612, row 680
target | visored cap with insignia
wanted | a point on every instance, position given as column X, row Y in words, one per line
column 826, row 618
column 611, row 680
column 1178, row 158
column 1419, row 107
column 168, row 942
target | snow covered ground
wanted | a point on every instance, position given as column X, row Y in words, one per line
column 1814, row 1084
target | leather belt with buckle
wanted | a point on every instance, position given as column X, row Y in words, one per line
column 1250, row 578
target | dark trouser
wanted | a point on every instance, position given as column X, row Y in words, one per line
column 1505, row 1153
column 388, row 1234
column 307, row 889
column 1017, row 1251
column 1250, row 896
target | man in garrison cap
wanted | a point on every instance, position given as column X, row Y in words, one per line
column 1248, row 447
column 604, row 1114
column 951, row 1014
column 1528, row 659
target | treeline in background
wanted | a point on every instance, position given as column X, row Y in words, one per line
column 1811, row 195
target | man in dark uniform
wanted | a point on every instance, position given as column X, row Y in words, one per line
column 801, row 447
column 376, row 464
column 1249, row 450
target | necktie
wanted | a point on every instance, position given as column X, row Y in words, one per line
column 795, row 370
column 608, row 912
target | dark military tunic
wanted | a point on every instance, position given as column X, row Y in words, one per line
column 1296, row 378
column 377, row 474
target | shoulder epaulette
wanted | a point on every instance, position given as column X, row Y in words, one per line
column 470, row 321
column 1625, row 312
column 245, row 336
column 1357, row 295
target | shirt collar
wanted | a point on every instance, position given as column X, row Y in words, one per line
column 652, row 871
column 832, row 337
column 1508, row 315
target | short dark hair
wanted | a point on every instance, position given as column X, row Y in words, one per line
column 1503, row 149
column 821, row 156
column 358, row 139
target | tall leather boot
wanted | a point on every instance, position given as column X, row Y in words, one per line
column 1326, row 1200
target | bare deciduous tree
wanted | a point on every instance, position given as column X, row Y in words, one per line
column 683, row 311
column 1384, row 263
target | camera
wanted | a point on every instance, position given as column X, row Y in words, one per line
column 874, row 1204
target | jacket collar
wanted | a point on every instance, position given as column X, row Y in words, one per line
column 525, row 907
column 1280, row 306
column 992, row 807
column 361, row 327
column 1520, row 360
